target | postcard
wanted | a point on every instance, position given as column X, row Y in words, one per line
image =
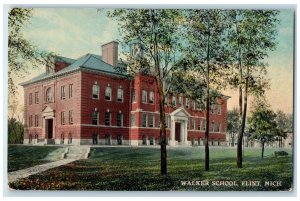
column 150, row 99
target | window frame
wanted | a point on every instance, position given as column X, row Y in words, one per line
column 122, row 95
column 71, row 117
column 63, row 118
column 49, row 95
column 63, row 92
column 95, row 114
column 108, row 89
column 144, row 96
column 36, row 97
column 132, row 119
column 144, row 120
column 95, row 88
column 151, row 97
column 120, row 115
column 30, row 98
column 107, row 123
column 151, row 120
column 71, row 90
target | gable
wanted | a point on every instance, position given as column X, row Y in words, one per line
column 180, row 112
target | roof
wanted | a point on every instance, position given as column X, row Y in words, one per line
column 88, row 62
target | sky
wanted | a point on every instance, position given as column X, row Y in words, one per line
column 78, row 31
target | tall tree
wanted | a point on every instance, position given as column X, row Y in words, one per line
column 262, row 125
column 251, row 36
column 22, row 54
column 233, row 125
column 205, row 54
column 156, row 32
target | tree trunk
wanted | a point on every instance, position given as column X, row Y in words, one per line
column 163, row 147
column 262, row 150
column 207, row 131
column 241, row 134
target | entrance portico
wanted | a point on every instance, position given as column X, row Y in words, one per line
column 179, row 122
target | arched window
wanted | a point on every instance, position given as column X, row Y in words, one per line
column 49, row 95
column 95, row 91
column 120, row 95
column 108, row 93
column 151, row 97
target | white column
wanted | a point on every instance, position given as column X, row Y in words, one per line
column 186, row 131
column 172, row 136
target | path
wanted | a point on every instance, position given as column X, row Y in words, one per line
column 72, row 154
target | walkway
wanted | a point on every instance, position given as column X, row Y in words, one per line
column 19, row 174
column 72, row 153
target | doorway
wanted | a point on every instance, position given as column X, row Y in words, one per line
column 177, row 131
column 49, row 126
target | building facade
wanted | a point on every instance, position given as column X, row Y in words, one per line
column 86, row 101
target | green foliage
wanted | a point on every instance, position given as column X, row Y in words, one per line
column 22, row 54
column 15, row 131
column 281, row 153
column 136, row 169
column 20, row 156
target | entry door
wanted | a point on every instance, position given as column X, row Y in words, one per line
column 177, row 131
column 50, row 128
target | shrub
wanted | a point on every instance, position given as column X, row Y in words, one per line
column 281, row 153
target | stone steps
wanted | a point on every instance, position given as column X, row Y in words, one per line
column 77, row 152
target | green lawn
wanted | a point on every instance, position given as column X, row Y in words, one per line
column 20, row 157
column 126, row 168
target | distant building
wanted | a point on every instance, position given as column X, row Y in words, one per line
column 86, row 101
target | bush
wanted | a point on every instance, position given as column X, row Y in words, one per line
column 281, row 153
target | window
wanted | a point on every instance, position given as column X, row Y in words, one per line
column 132, row 119
column 95, row 91
column 174, row 101
column 187, row 103
column 144, row 120
column 95, row 117
column 212, row 108
column 30, row 99
column 151, row 120
column 180, row 101
column 71, row 117
column 219, row 128
column 36, row 97
column 204, row 125
column 70, row 138
column 119, row 119
column 219, row 109
column 144, row 140
column 144, row 96
column 36, row 120
column 71, row 90
column 30, row 121
column 151, row 97
column 134, row 96
column 188, row 124
column 193, row 124
column 62, row 138
column 120, row 95
column 108, row 93
column 49, row 95
column 213, row 127
column 63, row 93
column 199, row 124
column 119, row 139
column 107, row 118
column 151, row 140
column 166, row 100
column 63, row 120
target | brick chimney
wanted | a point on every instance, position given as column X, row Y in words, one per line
column 110, row 53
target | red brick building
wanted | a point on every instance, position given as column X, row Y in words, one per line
column 86, row 101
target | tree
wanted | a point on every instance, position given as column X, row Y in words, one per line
column 22, row 54
column 285, row 125
column 205, row 55
column 15, row 131
column 233, row 124
column 262, row 125
column 156, row 31
column 251, row 36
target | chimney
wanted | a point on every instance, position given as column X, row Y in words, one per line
column 110, row 53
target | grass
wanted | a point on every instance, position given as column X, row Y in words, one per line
column 20, row 157
column 128, row 168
